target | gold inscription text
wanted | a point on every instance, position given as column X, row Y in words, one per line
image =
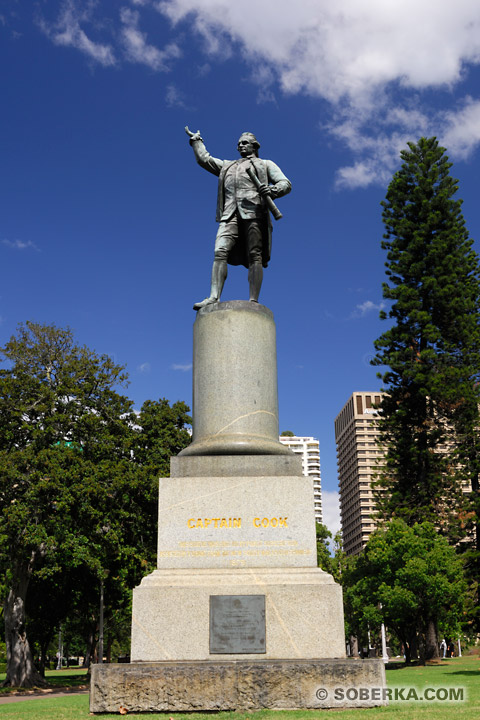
column 270, row 522
column 215, row 523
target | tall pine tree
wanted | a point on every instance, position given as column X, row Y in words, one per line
column 429, row 417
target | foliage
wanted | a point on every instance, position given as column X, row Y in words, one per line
column 160, row 434
column 411, row 579
column 323, row 552
column 77, row 506
column 331, row 562
column 430, row 411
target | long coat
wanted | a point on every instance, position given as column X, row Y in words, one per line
column 268, row 173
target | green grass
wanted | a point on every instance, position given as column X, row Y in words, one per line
column 459, row 672
column 71, row 677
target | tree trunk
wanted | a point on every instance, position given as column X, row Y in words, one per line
column 109, row 649
column 431, row 641
column 21, row 671
column 43, row 657
column 90, row 651
column 413, row 645
column 354, row 646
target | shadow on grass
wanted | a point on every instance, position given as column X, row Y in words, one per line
column 465, row 672
column 70, row 682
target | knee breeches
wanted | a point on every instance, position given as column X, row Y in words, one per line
column 238, row 230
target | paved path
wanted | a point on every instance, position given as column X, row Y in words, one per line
column 35, row 695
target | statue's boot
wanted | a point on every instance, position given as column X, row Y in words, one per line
column 255, row 278
column 219, row 275
column 203, row 303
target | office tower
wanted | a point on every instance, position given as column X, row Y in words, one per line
column 356, row 433
column 308, row 448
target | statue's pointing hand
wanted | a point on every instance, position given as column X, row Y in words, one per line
column 193, row 135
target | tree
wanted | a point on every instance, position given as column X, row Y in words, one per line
column 74, row 501
column 411, row 579
column 331, row 562
column 429, row 414
column 61, row 432
column 161, row 434
column 323, row 535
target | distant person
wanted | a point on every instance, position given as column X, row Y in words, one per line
column 443, row 647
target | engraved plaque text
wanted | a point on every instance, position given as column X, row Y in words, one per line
column 237, row 624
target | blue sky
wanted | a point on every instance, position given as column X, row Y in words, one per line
column 107, row 224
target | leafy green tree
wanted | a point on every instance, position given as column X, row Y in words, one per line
column 62, row 432
column 330, row 559
column 411, row 579
column 339, row 558
column 323, row 535
column 429, row 414
column 161, row 433
column 74, row 501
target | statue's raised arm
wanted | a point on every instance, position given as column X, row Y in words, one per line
column 246, row 189
column 193, row 135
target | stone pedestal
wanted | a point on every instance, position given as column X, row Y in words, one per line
column 232, row 535
column 235, row 398
column 237, row 614
column 303, row 613
column 241, row 685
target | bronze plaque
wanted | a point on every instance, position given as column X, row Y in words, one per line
column 237, row 624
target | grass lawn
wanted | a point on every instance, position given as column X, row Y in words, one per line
column 457, row 673
column 71, row 677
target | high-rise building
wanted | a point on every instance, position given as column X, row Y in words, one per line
column 356, row 434
column 308, row 448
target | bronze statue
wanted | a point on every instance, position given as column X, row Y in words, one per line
column 246, row 190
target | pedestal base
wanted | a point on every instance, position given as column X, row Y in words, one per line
column 171, row 613
column 243, row 685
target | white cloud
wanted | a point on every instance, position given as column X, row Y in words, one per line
column 457, row 129
column 19, row 244
column 183, row 368
column 68, row 32
column 203, row 69
column 174, row 97
column 144, row 367
column 361, row 174
column 370, row 61
column 367, row 307
column 344, row 49
column 462, row 128
column 331, row 510
column 136, row 48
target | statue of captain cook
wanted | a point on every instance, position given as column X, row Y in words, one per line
column 246, row 190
